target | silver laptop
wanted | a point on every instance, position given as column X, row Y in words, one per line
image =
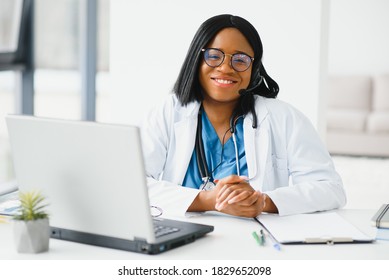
column 93, row 176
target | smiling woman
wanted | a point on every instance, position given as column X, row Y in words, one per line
column 223, row 142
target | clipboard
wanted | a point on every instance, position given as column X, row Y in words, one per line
column 316, row 228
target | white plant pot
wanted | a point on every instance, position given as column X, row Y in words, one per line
column 31, row 236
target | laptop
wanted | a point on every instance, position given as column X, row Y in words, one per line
column 94, row 179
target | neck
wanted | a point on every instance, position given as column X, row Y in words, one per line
column 219, row 114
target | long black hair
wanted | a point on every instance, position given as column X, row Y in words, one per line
column 187, row 87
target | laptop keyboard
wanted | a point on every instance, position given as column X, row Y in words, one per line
column 164, row 230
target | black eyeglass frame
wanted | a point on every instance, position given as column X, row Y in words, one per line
column 224, row 56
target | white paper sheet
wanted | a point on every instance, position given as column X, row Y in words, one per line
column 316, row 226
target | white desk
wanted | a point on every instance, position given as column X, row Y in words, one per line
column 231, row 240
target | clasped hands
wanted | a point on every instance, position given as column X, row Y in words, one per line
column 235, row 196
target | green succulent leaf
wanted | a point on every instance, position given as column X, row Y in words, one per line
column 32, row 207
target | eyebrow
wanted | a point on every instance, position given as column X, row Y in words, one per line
column 235, row 51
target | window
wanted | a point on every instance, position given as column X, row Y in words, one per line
column 13, row 41
column 47, row 82
column 56, row 77
column 7, row 105
column 57, row 59
column 13, row 19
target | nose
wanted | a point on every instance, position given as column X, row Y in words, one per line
column 226, row 66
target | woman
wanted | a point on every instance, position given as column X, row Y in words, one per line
column 223, row 142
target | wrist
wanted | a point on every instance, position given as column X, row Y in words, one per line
column 204, row 201
column 269, row 205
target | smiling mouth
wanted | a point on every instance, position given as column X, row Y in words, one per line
column 224, row 82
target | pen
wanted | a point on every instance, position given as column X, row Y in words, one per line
column 275, row 243
column 257, row 238
column 262, row 237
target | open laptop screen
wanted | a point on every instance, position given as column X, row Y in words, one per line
column 93, row 174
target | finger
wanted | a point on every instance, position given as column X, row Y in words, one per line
column 222, row 200
column 228, row 189
column 239, row 210
column 232, row 179
column 252, row 199
column 239, row 197
column 243, row 194
column 224, row 192
column 234, row 193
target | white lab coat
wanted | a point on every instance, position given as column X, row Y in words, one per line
column 285, row 157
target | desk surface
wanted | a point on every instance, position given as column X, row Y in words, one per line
column 231, row 240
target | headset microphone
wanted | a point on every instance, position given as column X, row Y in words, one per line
column 245, row 91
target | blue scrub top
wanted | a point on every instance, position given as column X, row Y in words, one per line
column 213, row 151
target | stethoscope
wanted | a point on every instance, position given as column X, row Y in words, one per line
column 206, row 175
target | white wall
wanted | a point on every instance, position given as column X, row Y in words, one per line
column 359, row 37
column 150, row 38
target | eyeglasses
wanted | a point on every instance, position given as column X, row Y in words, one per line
column 239, row 61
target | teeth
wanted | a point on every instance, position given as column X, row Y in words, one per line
column 223, row 81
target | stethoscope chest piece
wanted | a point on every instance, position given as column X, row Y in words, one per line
column 207, row 185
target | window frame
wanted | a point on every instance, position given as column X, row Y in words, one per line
column 19, row 58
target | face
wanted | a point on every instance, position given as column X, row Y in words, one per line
column 222, row 83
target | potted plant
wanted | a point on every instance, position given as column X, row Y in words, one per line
column 31, row 224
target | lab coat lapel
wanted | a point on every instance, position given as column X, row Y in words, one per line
column 185, row 135
column 250, row 147
column 257, row 144
column 262, row 152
